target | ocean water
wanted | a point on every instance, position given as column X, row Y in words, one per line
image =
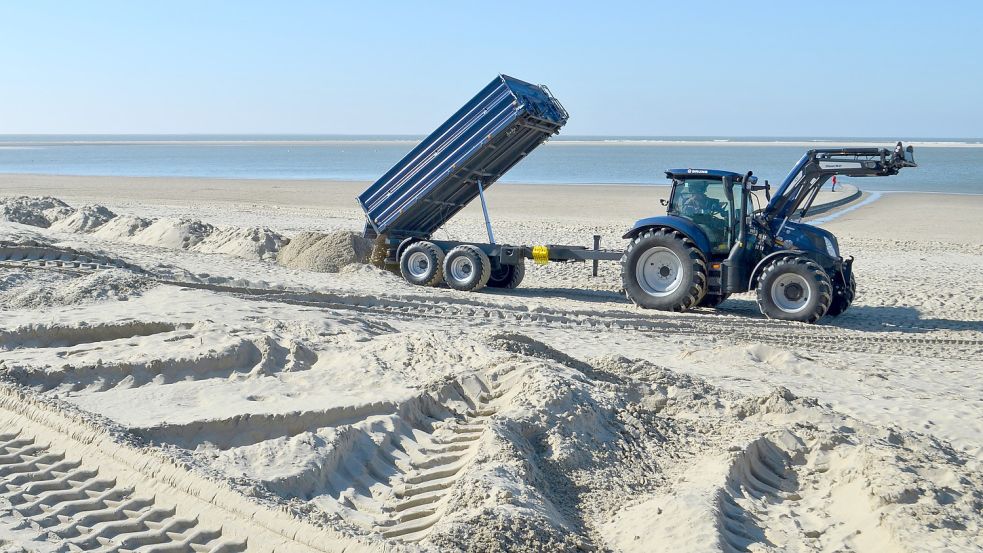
column 945, row 165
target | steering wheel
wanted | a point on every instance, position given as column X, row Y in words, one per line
column 704, row 205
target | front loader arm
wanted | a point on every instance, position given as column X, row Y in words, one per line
column 803, row 183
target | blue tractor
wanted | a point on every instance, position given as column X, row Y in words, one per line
column 713, row 243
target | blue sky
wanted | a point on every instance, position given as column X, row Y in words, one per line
column 621, row 68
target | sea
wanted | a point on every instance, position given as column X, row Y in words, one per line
column 951, row 165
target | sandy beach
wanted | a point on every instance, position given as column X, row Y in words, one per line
column 156, row 361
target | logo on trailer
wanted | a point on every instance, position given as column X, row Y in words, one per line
column 698, row 171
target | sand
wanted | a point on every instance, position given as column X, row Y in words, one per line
column 165, row 232
column 319, row 404
column 325, row 253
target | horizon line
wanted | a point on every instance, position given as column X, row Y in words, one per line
column 630, row 136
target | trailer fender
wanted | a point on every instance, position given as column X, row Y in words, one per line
column 675, row 223
column 402, row 246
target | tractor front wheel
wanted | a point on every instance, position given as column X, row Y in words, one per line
column 842, row 296
column 663, row 269
column 794, row 289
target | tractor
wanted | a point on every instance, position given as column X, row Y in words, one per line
column 712, row 242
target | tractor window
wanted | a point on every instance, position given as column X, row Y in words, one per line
column 704, row 202
column 698, row 196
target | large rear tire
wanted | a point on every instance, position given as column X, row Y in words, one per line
column 422, row 264
column 842, row 297
column 507, row 276
column 794, row 289
column 466, row 268
column 663, row 269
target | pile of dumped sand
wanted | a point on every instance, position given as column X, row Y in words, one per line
column 311, row 251
column 325, row 253
column 173, row 233
column 177, row 234
column 85, row 219
column 121, row 228
column 248, row 243
column 37, row 212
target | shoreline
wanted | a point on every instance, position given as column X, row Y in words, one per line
column 604, row 185
column 381, row 139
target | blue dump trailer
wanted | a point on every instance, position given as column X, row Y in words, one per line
column 467, row 154
column 448, row 170
column 712, row 241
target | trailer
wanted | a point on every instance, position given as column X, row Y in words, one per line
column 452, row 167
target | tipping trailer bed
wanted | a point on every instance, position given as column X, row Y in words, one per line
column 453, row 166
column 479, row 143
column 472, row 149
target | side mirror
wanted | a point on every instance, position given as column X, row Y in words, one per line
column 664, row 201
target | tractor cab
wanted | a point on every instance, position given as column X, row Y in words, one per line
column 714, row 201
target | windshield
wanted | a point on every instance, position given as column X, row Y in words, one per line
column 704, row 202
column 698, row 197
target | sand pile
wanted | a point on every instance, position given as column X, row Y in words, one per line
column 37, row 212
column 122, row 227
column 85, row 219
column 175, row 233
column 325, row 253
column 249, row 243
column 178, row 234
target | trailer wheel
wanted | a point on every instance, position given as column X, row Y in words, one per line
column 467, row 268
column 663, row 269
column 422, row 264
column 794, row 289
column 507, row 276
column 842, row 297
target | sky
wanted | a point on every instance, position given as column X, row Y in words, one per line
column 804, row 69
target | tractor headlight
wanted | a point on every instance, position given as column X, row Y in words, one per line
column 830, row 247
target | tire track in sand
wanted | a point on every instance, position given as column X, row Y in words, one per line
column 88, row 511
column 395, row 474
column 782, row 333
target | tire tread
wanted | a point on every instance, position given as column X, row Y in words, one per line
column 698, row 286
column 823, row 284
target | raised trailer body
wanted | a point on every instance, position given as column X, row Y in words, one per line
column 465, row 155
column 453, row 166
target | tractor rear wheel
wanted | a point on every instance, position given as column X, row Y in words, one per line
column 507, row 276
column 422, row 264
column 794, row 289
column 663, row 269
column 467, row 268
column 842, row 297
